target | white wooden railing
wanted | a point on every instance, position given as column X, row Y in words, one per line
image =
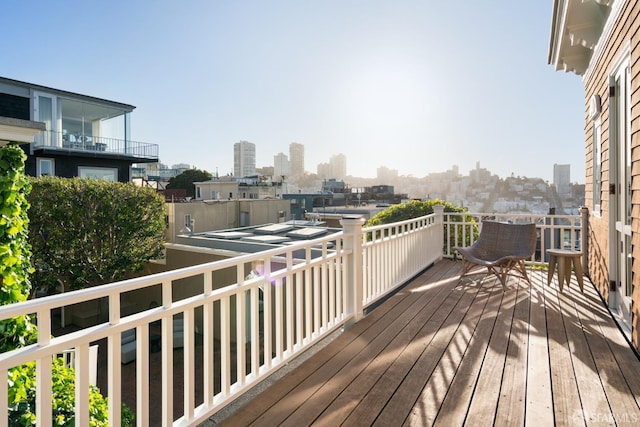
column 393, row 254
column 283, row 301
column 554, row 231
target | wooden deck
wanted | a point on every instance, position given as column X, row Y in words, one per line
column 438, row 353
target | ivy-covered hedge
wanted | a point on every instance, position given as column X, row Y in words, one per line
column 419, row 208
column 15, row 252
column 87, row 232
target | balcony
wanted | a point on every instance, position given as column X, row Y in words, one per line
column 95, row 146
column 411, row 344
column 452, row 355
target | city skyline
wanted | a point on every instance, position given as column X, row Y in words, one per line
column 336, row 167
column 414, row 86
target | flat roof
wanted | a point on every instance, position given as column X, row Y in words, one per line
column 9, row 81
column 257, row 238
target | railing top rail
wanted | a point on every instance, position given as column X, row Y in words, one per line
column 399, row 223
column 98, row 138
column 73, row 297
column 514, row 215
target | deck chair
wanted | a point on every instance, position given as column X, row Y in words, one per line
column 502, row 249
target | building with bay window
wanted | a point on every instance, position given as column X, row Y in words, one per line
column 84, row 136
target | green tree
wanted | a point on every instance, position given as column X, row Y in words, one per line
column 89, row 232
column 185, row 180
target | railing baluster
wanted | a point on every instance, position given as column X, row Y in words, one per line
column 189, row 361
column 325, row 288
column 255, row 330
column 267, row 325
column 43, row 391
column 4, row 397
column 208, row 370
column 279, row 321
column 316, row 301
column 332, row 291
column 299, row 309
column 289, row 312
column 308, row 307
column 225, row 346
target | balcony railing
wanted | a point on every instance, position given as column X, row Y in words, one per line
column 96, row 144
column 554, row 231
column 282, row 301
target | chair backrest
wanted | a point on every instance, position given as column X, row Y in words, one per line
column 500, row 239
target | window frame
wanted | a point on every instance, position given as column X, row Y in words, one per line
column 82, row 171
column 39, row 163
column 596, row 177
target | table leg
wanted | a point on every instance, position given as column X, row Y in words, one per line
column 577, row 266
column 567, row 271
column 552, row 268
column 561, row 272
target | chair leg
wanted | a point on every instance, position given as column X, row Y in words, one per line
column 522, row 269
column 501, row 273
column 503, row 281
column 466, row 269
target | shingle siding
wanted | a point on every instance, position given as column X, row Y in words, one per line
column 626, row 30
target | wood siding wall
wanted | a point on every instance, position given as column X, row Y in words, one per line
column 626, row 31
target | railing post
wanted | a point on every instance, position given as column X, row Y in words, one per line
column 439, row 211
column 352, row 226
column 585, row 239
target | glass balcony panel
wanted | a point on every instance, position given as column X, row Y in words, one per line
column 84, row 121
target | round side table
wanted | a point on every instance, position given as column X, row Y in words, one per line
column 565, row 260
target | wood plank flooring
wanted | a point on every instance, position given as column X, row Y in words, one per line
column 442, row 353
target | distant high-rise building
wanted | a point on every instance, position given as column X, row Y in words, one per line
column 338, row 164
column 281, row 166
column 296, row 157
column 562, row 178
column 244, row 159
column 335, row 169
column 323, row 170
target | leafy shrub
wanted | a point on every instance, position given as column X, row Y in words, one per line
column 87, row 232
column 22, row 398
column 417, row 208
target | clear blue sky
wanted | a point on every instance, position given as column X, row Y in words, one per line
column 416, row 86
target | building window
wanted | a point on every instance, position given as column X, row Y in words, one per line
column 107, row 174
column 189, row 223
column 597, row 165
column 198, row 193
column 45, row 167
